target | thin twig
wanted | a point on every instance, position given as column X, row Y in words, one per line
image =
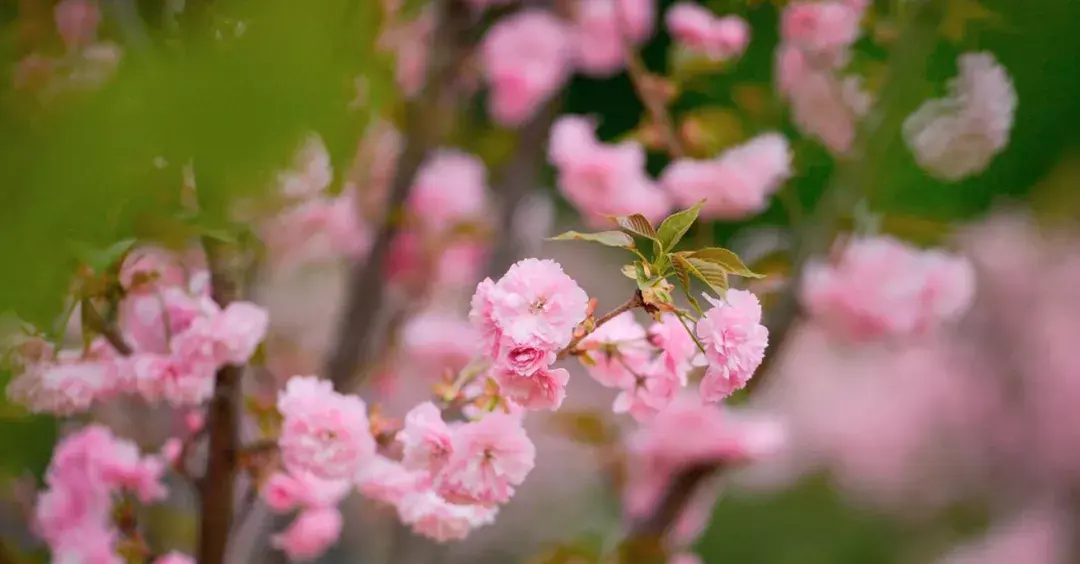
column 879, row 131
column 634, row 302
column 218, row 485
column 426, row 122
column 102, row 327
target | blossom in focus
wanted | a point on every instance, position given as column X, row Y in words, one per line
column 491, row 456
column 734, row 341
column 601, row 179
column 543, row 389
column 435, row 518
column 957, row 136
column 601, row 29
column 323, row 432
column 426, row 439
column 699, row 31
column 526, row 59
column 616, row 350
column 736, row 184
column 310, row 534
column 885, row 287
column 535, row 302
column 450, row 188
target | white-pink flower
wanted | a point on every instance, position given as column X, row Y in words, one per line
column 602, row 27
column 699, row 31
column 957, row 136
column 323, row 432
column 491, row 456
column 386, row 481
column 651, row 391
column 450, row 188
column 824, row 106
column 820, row 28
column 310, row 534
column 601, row 179
column 536, row 302
column 526, row 59
column 543, row 389
column 427, row 441
column 884, row 287
column 180, row 381
column 284, row 492
column 435, row 518
column 734, row 341
column 736, row 184
column 677, row 347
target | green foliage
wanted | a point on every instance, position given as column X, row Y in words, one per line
column 606, row 238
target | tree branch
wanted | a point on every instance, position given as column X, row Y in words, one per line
column 879, row 132
column 427, row 119
column 93, row 319
column 217, row 487
column 634, row 302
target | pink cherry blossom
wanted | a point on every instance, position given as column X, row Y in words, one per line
column 600, row 29
column 147, row 269
column 386, row 481
column 176, row 380
column 677, row 347
column 652, row 390
column 310, row 535
column 77, row 22
column 734, row 341
column 536, row 302
column 543, row 389
column 426, row 439
column 601, row 179
column 616, row 350
column 882, row 286
column 147, row 320
column 524, row 360
column 323, row 432
column 491, row 456
column 436, row 519
column 736, row 184
column 174, row 558
column 957, row 136
column 63, row 388
column 526, row 59
column 824, row 106
column 481, row 315
column 436, row 340
column 450, row 189
column 697, row 30
column 817, row 27
column 320, row 229
column 311, row 173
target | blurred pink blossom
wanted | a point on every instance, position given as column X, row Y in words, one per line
column 450, row 189
column 699, row 31
column 310, row 534
column 820, row 28
column 526, row 58
column 602, row 27
column 77, row 22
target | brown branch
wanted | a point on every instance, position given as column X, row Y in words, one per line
column 635, row 301
column 93, row 319
column 879, row 131
column 427, row 119
column 217, row 486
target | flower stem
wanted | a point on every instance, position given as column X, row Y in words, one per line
column 679, row 315
column 634, row 302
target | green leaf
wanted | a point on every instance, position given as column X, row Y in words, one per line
column 682, row 272
column 629, row 271
column 711, row 274
column 729, row 261
column 102, row 259
column 676, row 225
column 607, row 238
column 636, row 224
column 27, row 443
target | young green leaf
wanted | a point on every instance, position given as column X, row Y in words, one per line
column 729, row 261
column 676, row 225
column 682, row 272
column 608, row 238
column 713, row 275
column 636, row 224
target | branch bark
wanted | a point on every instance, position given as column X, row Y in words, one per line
column 427, row 120
column 877, row 136
column 217, row 487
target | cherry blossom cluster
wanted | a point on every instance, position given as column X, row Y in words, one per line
column 883, row 287
column 91, row 472
column 699, row 32
column 179, row 337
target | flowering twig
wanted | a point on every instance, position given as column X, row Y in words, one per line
column 635, row 301
column 878, row 132
column 99, row 325
column 650, row 90
column 426, row 121
column 223, row 423
column 682, row 321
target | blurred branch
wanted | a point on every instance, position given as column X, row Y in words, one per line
column 217, row 487
column 651, row 90
column 93, row 320
column 880, row 130
column 427, row 119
